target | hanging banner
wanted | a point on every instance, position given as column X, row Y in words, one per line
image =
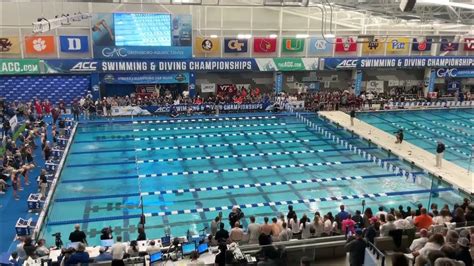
column 345, row 44
column 278, row 82
column 39, row 45
column 375, row 46
column 264, row 45
column 421, row 45
column 375, row 86
column 207, row 45
column 19, row 66
column 9, row 45
column 448, row 46
column 398, row 45
column 468, row 44
column 431, row 82
column 232, row 45
column 358, row 83
column 292, row 45
column 208, row 88
column 320, row 46
column 164, row 78
column 74, row 44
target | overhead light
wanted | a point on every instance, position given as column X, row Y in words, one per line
column 302, row 36
column 445, row 3
column 213, row 36
column 244, row 36
column 329, row 35
column 186, row 2
column 273, row 36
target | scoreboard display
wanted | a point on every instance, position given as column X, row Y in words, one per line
column 142, row 29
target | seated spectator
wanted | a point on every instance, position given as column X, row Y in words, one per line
column 381, row 211
column 15, row 260
column 285, row 234
column 423, row 220
column 194, row 256
column 103, row 255
column 462, row 252
column 80, row 256
column 420, row 242
column 236, row 233
column 443, row 218
column 398, row 259
column 222, row 235
column 267, row 253
column 152, row 247
column 29, row 248
column 451, row 238
column 388, row 226
column 400, row 222
column 434, row 243
column 132, row 250
column 459, row 217
column 41, row 249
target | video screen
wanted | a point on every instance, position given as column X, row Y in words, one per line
column 141, row 29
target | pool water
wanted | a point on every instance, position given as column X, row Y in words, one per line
column 189, row 170
column 455, row 127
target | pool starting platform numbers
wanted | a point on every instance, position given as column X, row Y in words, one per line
column 24, row 227
column 34, row 202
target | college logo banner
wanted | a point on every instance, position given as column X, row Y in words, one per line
column 292, row 45
column 448, row 46
column 74, row 44
column 206, row 45
column 226, row 89
column 398, row 45
column 468, row 44
column 40, row 45
column 375, row 46
column 264, row 45
column 344, row 45
column 235, row 45
column 320, row 45
column 9, row 45
column 421, row 44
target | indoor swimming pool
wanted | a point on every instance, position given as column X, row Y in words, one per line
column 187, row 170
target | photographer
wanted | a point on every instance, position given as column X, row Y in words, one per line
column 235, row 216
column 106, row 233
column 77, row 235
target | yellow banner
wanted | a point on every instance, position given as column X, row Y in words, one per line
column 398, row 45
column 9, row 45
column 206, row 45
column 375, row 46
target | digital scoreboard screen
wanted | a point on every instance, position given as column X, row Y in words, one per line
column 141, row 29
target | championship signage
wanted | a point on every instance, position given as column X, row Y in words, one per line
column 235, row 45
column 344, row 45
column 448, row 46
column 9, row 45
column 149, row 78
column 398, row 45
column 468, row 44
column 397, row 62
column 421, row 44
column 264, row 45
column 19, row 66
column 74, row 44
column 320, row 46
column 292, row 45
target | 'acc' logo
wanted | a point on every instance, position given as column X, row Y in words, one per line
column 348, row 63
column 85, row 66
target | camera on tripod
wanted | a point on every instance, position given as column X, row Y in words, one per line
column 57, row 240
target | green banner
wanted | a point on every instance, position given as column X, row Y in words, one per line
column 19, row 66
column 292, row 45
column 289, row 64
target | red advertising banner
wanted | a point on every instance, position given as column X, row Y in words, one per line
column 227, row 89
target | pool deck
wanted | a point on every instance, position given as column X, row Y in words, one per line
column 450, row 172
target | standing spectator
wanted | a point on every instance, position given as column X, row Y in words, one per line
column 276, row 229
column 342, row 215
column 133, row 249
column 318, row 224
column 77, row 235
column 235, row 216
column 356, row 248
column 285, row 234
column 41, row 249
column 348, row 225
column 305, row 227
column 266, row 228
column 439, row 153
column 118, row 251
column 381, row 211
column 290, row 214
column 295, row 225
column 220, row 257
column 236, row 233
column 253, row 230
column 141, row 233
column 215, row 225
column 222, row 235
column 76, row 110
column 352, row 114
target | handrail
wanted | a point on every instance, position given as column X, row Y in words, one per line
column 379, row 254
